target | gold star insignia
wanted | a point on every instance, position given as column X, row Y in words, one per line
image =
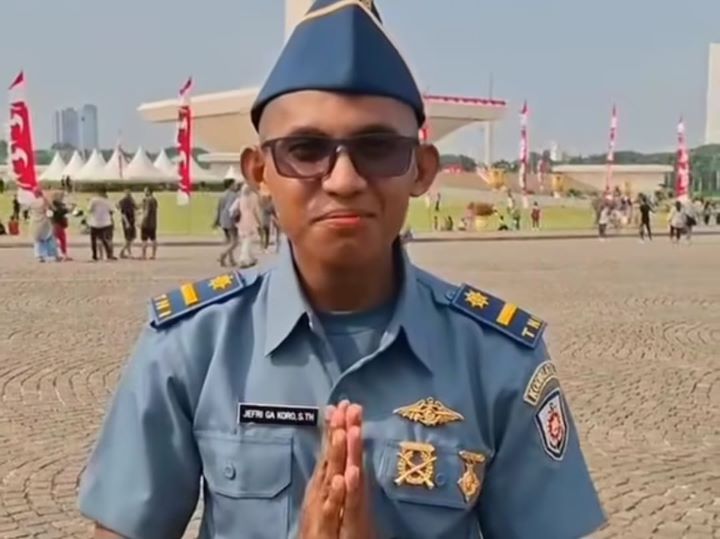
column 221, row 282
column 429, row 412
column 477, row 299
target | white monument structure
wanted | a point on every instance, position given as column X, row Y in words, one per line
column 712, row 114
column 222, row 120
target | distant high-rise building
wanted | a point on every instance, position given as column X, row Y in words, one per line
column 89, row 138
column 712, row 114
column 66, row 127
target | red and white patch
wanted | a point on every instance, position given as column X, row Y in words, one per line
column 551, row 420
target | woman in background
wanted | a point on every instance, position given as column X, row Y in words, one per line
column 41, row 230
column 59, row 220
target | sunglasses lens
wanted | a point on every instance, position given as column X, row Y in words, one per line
column 303, row 157
column 381, row 156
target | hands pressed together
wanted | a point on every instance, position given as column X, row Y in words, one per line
column 336, row 504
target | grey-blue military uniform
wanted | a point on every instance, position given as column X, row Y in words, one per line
column 251, row 339
column 466, row 431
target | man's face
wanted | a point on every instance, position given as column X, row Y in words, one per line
column 342, row 218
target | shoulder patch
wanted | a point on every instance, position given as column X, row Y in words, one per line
column 500, row 315
column 191, row 297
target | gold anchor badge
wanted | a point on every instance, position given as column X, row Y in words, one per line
column 469, row 483
column 416, row 465
column 429, row 412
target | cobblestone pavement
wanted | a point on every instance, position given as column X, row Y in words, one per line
column 634, row 329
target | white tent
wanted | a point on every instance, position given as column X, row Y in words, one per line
column 54, row 171
column 233, row 174
column 164, row 165
column 93, row 168
column 116, row 167
column 199, row 174
column 74, row 166
column 141, row 168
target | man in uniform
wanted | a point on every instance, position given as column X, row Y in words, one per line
column 343, row 393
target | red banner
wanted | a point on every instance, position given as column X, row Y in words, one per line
column 184, row 144
column 22, row 152
column 682, row 180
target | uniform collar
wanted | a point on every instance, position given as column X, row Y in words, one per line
column 287, row 304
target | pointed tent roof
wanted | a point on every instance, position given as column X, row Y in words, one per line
column 141, row 168
column 232, row 174
column 74, row 166
column 163, row 163
column 115, row 167
column 55, row 169
column 93, row 168
column 200, row 174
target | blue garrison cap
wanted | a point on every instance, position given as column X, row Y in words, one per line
column 341, row 46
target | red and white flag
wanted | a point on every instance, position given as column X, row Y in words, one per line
column 184, row 145
column 523, row 172
column 611, row 150
column 682, row 180
column 22, row 151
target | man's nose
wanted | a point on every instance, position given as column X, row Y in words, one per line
column 344, row 179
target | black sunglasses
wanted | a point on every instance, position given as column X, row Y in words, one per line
column 374, row 156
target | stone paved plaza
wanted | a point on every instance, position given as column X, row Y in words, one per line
column 634, row 330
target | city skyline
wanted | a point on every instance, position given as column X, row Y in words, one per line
column 77, row 127
column 571, row 71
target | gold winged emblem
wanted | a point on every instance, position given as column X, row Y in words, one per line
column 429, row 412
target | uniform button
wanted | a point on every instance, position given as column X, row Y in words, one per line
column 450, row 294
column 343, row 397
column 229, row 471
column 440, row 479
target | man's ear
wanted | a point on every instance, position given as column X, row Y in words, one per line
column 428, row 165
column 252, row 163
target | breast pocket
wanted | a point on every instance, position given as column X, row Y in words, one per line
column 421, row 481
column 247, row 480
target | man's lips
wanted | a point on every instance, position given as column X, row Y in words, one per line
column 344, row 216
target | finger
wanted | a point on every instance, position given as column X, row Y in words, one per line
column 354, row 452
column 336, row 457
column 353, row 490
column 335, row 501
column 353, row 415
column 338, row 418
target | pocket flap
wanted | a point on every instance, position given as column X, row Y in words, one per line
column 246, row 467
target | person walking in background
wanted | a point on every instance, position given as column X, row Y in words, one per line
column 691, row 219
column 247, row 206
column 604, row 221
column 265, row 221
column 15, row 208
column 227, row 222
column 677, row 220
column 516, row 215
column 100, row 222
column 127, row 208
column 148, row 224
column 645, row 210
column 41, row 227
column 60, row 223
column 535, row 216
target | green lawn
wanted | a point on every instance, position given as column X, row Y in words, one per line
column 196, row 219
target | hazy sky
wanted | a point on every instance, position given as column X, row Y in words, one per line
column 571, row 59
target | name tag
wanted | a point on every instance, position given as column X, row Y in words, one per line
column 265, row 414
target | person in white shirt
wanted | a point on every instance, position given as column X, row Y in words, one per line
column 100, row 212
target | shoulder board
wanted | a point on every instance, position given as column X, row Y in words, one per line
column 191, row 297
column 500, row 315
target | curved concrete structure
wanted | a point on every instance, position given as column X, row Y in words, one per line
column 222, row 120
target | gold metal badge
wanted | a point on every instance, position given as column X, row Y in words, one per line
column 470, row 482
column 221, row 282
column 429, row 412
column 416, row 465
column 476, row 299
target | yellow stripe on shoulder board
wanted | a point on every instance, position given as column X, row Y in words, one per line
column 506, row 314
column 189, row 294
